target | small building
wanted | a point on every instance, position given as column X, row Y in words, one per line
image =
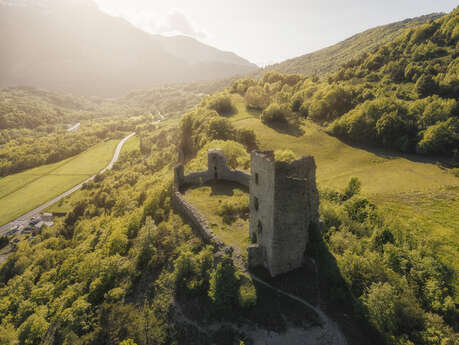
column 47, row 217
column 34, row 220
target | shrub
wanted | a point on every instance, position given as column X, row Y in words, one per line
column 440, row 138
column 358, row 209
column 274, row 113
column 234, row 209
column 426, row 86
column 222, row 104
column 331, row 103
column 224, row 286
column 220, row 129
column 241, row 86
column 4, row 242
column 285, row 156
column 353, row 188
column 247, row 137
column 256, row 98
column 296, row 101
column 247, row 295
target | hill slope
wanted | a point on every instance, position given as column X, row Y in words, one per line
column 77, row 48
column 329, row 59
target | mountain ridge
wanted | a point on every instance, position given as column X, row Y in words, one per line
column 85, row 51
column 329, row 59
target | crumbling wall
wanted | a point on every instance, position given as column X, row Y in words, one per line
column 217, row 170
column 182, row 206
column 284, row 202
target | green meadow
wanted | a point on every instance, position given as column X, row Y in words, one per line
column 419, row 193
column 66, row 205
column 209, row 200
column 20, row 193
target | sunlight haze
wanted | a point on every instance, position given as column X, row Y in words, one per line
column 268, row 31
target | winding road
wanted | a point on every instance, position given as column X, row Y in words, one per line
column 25, row 218
column 74, row 127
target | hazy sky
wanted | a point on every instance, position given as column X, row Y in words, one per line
column 267, row 31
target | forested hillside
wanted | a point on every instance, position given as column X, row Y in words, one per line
column 34, row 122
column 87, row 52
column 122, row 267
column 330, row 59
column 402, row 97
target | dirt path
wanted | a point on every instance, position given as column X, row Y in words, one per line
column 329, row 326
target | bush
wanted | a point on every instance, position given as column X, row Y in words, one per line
column 4, row 242
column 358, row 209
column 247, row 137
column 285, row 156
column 222, row 104
column 353, row 188
column 256, row 98
column 274, row 114
column 220, row 129
column 234, row 209
column 440, row 138
column 247, row 295
column 241, row 86
column 224, row 286
column 426, row 86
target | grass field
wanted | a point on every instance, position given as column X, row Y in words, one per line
column 337, row 161
column 66, row 205
column 132, row 144
column 23, row 192
column 208, row 199
column 420, row 193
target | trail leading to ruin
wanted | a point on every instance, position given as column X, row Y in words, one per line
column 328, row 325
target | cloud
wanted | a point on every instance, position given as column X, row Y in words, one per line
column 175, row 22
column 172, row 23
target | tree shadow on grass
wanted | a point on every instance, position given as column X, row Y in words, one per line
column 443, row 162
column 293, row 129
column 219, row 187
column 225, row 188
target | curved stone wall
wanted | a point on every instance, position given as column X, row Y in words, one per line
column 217, row 170
column 197, row 220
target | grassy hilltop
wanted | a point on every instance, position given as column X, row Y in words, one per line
column 390, row 119
column 122, row 267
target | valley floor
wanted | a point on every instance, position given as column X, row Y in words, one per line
column 23, row 192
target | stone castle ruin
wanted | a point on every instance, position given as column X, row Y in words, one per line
column 284, row 203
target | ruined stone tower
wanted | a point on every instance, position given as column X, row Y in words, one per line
column 283, row 204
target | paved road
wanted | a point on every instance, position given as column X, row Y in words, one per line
column 25, row 218
column 74, row 128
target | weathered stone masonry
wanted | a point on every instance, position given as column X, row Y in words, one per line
column 217, row 170
column 283, row 203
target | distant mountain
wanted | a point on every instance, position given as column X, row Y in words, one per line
column 330, row 59
column 72, row 46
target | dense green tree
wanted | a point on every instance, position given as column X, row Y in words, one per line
column 256, row 98
column 274, row 113
column 425, row 86
column 224, row 286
